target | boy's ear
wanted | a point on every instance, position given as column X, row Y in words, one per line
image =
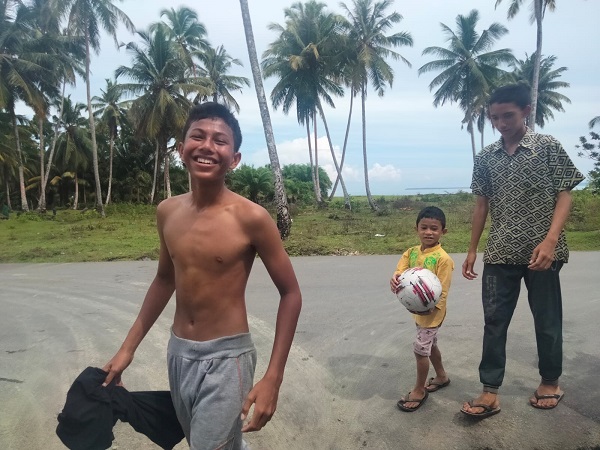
column 237, row 157
column 527, row 110
column 180, row 149
column 445, row 230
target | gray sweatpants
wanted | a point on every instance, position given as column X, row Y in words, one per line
column 209, row 382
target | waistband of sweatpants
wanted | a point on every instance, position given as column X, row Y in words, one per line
column 223, row 347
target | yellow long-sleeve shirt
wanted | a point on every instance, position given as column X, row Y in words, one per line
column 439, row 262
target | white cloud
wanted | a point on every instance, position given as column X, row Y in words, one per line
column 387, row 172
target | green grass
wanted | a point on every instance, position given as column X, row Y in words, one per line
column 128, row 232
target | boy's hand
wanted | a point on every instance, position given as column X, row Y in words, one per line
column 542, row 256
column 116, row 366
column 422, row 313
column 264, row 396
column 394, row 284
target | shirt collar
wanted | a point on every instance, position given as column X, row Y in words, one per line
column 431, row 249
column 527, row 141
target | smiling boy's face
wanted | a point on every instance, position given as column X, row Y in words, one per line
column 208, row 149
column 430, row 231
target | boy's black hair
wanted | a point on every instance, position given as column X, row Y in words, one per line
column 212, row 110
column 517, row 93
column 432, row 212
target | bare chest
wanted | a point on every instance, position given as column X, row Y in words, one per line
column 208, row 243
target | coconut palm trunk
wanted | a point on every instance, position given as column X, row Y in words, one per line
column 538, row 10
column 155, row 175
column 42, row 202
column 7, row 186
column 99, row 204
column 312, row 162
column 284, row 221
column 24, row 205
column 110, row 166
column 363, row 94
column 167, row 172
column 54, row 138
column 76, row 197
column 471, row 131
column 337, row 179
column 316, row 166
column 335, row 163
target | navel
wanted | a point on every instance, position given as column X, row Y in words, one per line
column 219, row 259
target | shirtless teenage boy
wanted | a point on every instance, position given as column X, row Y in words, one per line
column 209, row 239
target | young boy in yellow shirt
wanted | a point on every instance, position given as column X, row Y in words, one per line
column 431, row 226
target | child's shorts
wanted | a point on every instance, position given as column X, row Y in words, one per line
column 209, row 382
column 426, row 338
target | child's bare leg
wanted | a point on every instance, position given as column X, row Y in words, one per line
column 436, row 361
column 418, row 391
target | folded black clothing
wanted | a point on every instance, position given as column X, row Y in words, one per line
column 91, row 411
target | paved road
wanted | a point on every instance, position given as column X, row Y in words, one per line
column 350, row 362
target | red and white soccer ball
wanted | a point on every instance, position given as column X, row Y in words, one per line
column 419, row 289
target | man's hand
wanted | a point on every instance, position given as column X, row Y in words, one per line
column 467, row 267
column 264, row 396
column 542, row 256
column 116, row 366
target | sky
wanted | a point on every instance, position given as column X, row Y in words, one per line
column 412, row 146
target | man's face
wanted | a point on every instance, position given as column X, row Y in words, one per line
column 208, row 149
column 508, row 118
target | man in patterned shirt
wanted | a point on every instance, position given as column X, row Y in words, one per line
column 524, row 180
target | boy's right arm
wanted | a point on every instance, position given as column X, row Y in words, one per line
column 401, row 267
column 482, row 206
column 156, row 299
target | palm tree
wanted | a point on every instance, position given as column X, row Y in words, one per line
column 22, row 71
column 284, row 221
column 366, row 26
column 86, row 18
column 158, row 77
column 110, row 110
column 217, row 63
column 468, row 69
column 538, row 12
column 184, row 29
column 8, row 158
column 62, row 60
column 254, row 184
column 305, row 58
column 351, row 77
column 548, row 98
column 74, row 147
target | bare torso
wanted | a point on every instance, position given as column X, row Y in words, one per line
column 212, row 255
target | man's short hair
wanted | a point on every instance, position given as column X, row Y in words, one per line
column 212, row 110
column 432, row 212
column 517, row 93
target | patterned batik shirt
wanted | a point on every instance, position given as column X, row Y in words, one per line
column 522, row 190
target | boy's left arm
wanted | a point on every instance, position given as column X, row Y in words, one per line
column 444, row 273
column 565, row 177
column 543, row 255
column 269, row 247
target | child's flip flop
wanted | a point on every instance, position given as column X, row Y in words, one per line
column 432, row 386
column 420, row 402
